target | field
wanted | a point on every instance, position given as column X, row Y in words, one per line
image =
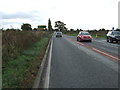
column 95, row 34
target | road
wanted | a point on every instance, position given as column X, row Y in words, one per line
column 83, row 64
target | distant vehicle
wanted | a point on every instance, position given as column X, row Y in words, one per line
column 84, row 36
column 58, row 34
column 113, row 36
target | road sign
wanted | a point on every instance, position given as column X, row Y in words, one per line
column 41, row 27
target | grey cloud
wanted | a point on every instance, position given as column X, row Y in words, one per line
column 22, row 15
column 31, row 15
column 10, row 22
column 16, row 15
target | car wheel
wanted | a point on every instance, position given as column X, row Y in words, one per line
column 90, row 40
column 107, row 40
column 77, row 39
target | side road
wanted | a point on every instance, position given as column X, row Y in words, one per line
column 42, row 78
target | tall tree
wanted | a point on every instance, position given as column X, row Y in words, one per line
column 26, row 26
column 49, row 25
column 60, row 26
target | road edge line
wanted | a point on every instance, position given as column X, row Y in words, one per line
column 39, row 74
column 47, row 79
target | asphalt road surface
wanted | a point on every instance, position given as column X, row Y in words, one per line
column 83, row 64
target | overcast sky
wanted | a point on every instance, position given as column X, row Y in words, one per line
column 84, row 14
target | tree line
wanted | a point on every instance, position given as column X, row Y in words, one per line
column 59, row 26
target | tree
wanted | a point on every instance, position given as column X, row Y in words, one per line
column 10, row 29
column 117, row 29
column 71, row 30
column 60, row 26
column 103, row 29
column 49, row 25
column 35, row 29
column 78, row 30
column 26, row 27
column 81, row 30
column 88, row 30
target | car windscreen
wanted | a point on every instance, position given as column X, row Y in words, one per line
column 116, row 33
column 59, row 33
column 85, row 33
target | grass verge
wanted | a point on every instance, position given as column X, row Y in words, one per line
column 71, row 33
column 21, row 72
column 98, row 35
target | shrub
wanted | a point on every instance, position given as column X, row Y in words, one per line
column 15, row 41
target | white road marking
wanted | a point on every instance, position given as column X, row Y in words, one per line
column 47, row 81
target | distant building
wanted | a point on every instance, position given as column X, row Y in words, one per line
column 41, row 27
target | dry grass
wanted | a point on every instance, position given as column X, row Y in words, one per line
column 23, row 53
column 15, row 41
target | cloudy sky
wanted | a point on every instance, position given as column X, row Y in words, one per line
column 84, row 14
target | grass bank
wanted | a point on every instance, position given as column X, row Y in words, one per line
column 20, row 72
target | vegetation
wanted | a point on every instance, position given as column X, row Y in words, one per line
column 49, row 25
column 15, row 41
column 26, row 27
column 99, row 34
column 94, row 33
column 60, row 26
column 22, row 54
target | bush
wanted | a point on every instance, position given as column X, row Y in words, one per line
column 15, row 41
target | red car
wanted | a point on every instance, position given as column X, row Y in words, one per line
column 84, row 36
